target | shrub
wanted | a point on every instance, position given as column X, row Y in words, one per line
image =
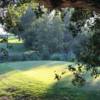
column 24, row 56
column 16, row 57
column 45, row 52
column 58, row 56
column 32, row 56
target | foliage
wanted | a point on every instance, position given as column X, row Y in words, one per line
column 50, row 35
column 90, row 53
column 31, row 56
column 44, row 52
column 58, row 57
column 38, row 32
column 15, row 57
column 26, row 56
column 3, row 54
column 79, row 18
column 14, row 13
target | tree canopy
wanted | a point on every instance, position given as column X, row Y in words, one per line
column 91, row 4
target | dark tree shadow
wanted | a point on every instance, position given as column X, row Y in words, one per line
column 59, row 92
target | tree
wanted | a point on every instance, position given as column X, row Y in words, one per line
column 40, row 31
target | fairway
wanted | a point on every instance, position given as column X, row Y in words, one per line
column 35, row 79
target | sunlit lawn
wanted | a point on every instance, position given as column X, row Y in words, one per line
column 36, row 79
column 14, row 40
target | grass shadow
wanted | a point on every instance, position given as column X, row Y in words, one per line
column 61, row 90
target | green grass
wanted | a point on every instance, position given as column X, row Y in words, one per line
column 14, row 40
column 34, row 80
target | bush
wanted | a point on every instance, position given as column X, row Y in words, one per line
column 3, row 54
column 42, row 31
column 45, row 52
column 32, row 56
column 24, row 56
column 15, row 57
column 58, row 56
